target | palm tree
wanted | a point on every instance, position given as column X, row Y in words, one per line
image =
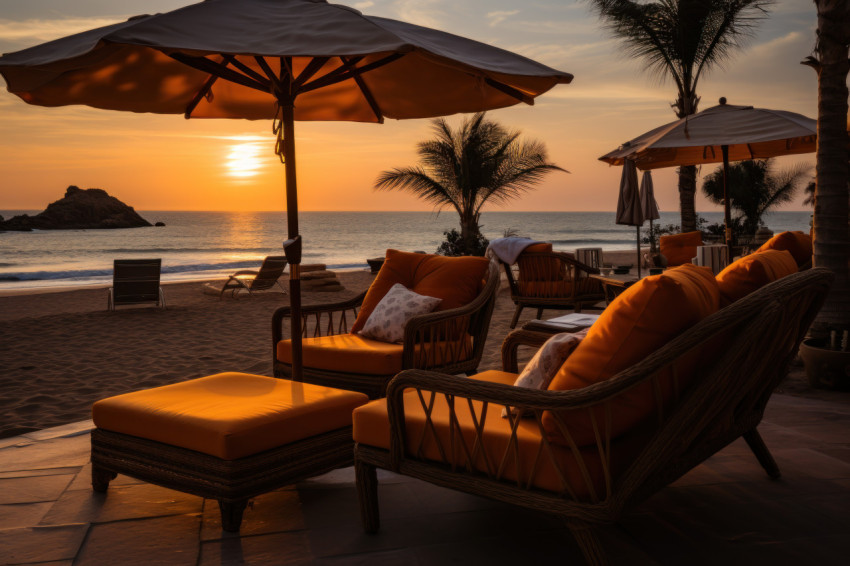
column 755, row 188
column 465, row 168
column 680, row 40
column 832, row 194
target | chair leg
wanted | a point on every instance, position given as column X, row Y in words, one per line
column 367, row 492
column 231, row 514
column 765, row 458
column 516, row 315
column 588, row 542
column 539, row 313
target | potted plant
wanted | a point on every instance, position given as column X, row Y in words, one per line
column 827, row 360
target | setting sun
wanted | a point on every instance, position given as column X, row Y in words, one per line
column 243, row 159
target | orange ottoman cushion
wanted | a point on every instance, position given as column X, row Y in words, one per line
column 455, row 280
column 752, row 272
column 228, row 415
column 643, row 318
column 680, row 248
column 798, row 244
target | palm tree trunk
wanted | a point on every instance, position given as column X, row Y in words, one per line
column 832, row 197
column 469, row 232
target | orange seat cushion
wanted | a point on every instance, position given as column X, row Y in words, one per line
column 229, row 415
column 798, row 244
column 752, row 272
column 352, row 353
column 680, row 248
column 643, row 318
column 533, row 466
column 455, row 280
column 532, row 269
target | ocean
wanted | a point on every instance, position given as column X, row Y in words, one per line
column 209, row 245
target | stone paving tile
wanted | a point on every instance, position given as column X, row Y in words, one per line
column 811, row 463
column 41, row 544
column 143, row 542
column 41, row 472
column 67, row 430
column 23, row 514
column 291, row 549
column 338, row 506
column 83, row 480
column 278, row 511
column 55, row 453
column 51, row 563
column 33, row 490
column 128, row 502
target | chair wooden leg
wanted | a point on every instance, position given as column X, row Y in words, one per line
column 539, row 313
column 516, row 315
column 367, row 492
column 231, row 514
column 765, row 458
column 100, row 478
column 588, row 542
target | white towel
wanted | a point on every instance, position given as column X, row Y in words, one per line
column 508, row 249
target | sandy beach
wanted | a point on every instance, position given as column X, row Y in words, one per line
column 61, row 351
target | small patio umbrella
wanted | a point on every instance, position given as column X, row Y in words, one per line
column 648, row 205
column 629, row 210
column 281, row 60
column 720, row 134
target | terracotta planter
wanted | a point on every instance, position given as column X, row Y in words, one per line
column 828, row 369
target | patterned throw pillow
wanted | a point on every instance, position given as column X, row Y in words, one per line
column 548, row 360
column 400, row 304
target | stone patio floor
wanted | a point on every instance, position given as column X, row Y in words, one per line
column 726, row 511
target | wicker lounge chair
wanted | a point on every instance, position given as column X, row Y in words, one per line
column 135, row 281
column 450, row 341
column 252, row 281
column 756, row 337
column 551, row 280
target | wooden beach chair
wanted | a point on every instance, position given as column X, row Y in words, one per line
column 252, row 281
column 136, row 281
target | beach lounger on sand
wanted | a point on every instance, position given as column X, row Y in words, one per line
column 136, row 281
column 262, row 280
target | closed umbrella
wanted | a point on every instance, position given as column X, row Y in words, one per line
column 721, row 133
column 281, row 60
column 629, row 210
column 648, row 204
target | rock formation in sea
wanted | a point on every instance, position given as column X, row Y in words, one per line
column 79, row 210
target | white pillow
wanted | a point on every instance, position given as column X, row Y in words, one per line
column 400, row 304
column 538, row 373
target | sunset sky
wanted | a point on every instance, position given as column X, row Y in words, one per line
column 156, row 162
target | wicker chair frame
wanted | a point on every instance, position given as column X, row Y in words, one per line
column 724, row 401
column 539, row 266
column 231, row 482
column 424, row 343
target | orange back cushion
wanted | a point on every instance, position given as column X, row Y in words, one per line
column 798, row 244
column 752, row 272
column 538, row 268
column 680, row 248
column 455, row 280
column 643, row 318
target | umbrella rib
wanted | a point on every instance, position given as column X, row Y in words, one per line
column 343, row 68
column 213, row 68
column 345, row 75
column 367, row 94
column 245, row 68
column 311, row 69
column 261, row 61
column 510, row 91
column 201, row 94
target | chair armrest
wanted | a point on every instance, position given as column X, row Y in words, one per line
column 519, row 338
column 244, row 272
column 312, row 310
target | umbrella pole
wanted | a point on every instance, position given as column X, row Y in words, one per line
column 292, row 247
column 638, row 249
column 727, row 214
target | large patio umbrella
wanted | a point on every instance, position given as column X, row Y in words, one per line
column 281, row 60
column 629, row 210
column 648, row 205
column 721, row 133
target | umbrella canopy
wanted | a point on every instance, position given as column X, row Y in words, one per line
column 629, row 210
column 721, row 133
column 285, row 60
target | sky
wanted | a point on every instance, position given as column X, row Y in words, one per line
column 163, row 162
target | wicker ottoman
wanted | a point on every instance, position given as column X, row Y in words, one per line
column 230, row 436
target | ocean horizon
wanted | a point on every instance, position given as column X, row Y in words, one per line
column 212, row 245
